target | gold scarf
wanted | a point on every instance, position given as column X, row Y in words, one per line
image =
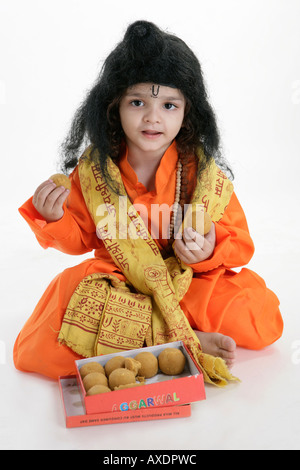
column 106, row 315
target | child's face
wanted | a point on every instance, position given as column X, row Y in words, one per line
column 151, row 117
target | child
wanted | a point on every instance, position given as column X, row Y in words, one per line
column 154, row 148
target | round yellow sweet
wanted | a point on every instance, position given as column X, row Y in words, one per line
column 171, row 361
column 119, row 377
column 114, row 363
column 61, row 180
column 96, row 389
column 133, row 365
column 91, row 367
column 94, row 378
column 199, row 220
column 149, row 364
column 207, row 223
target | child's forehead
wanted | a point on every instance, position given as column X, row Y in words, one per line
column 154, row 90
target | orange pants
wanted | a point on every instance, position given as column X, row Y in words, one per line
column 235, row 304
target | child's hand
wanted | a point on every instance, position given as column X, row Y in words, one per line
column 193, row 247
column 48, row 200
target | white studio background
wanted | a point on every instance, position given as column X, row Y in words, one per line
column 51, row 52
column 50, row 55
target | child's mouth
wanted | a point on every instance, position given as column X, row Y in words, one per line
column 151, row 134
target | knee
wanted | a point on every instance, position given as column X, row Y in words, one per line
column 264, row 324
column 266, row 330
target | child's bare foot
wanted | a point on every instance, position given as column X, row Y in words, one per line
column 218, row 345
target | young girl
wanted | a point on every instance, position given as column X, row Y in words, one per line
column 153, row 149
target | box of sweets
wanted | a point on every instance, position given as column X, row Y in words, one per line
column 75, row 415
column 159, row 397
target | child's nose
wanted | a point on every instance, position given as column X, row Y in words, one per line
column 152, row 115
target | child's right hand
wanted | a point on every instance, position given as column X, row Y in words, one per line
column 48, row 200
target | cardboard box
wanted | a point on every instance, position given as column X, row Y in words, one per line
column 75, row 415
column 160, row 391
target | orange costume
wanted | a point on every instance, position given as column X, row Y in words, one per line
column 237, row 304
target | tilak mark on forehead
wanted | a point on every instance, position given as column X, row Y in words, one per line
column 155, row 92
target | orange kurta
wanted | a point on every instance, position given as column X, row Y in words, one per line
column 219, row 299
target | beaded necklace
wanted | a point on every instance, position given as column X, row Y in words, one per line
column 176, row 205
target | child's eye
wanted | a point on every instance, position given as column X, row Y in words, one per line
column 169, row 106
column 137, row 103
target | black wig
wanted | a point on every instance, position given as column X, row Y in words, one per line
column 146, row 54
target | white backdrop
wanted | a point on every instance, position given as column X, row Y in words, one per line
column 51, row 52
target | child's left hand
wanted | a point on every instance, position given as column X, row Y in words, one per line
column 194, row 247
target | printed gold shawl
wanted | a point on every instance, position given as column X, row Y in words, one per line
column 107, row 315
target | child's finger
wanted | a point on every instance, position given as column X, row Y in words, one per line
column 61, row 199
column 183, row 252
column 53, row 196
column 43, row 185
column 209, row 240
column 193, row 240
column 211, row 235
column 42, row 192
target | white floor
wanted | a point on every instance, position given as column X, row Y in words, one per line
column 262, row 412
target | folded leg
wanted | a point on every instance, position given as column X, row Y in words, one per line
column 238, row 305
column 36, row 348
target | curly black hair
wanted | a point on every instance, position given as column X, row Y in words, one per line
column 145, row 55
